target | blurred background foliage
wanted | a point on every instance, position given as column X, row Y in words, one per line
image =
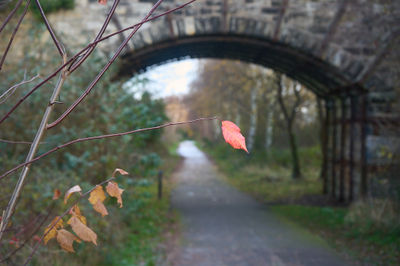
column 110, row 108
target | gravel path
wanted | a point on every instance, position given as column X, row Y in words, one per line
column 222, row 226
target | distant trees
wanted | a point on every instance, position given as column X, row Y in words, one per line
column 273, row 111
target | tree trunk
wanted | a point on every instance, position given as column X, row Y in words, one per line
column 269, row 128
column 296, row 173
column 289, row 118
column 253, row 117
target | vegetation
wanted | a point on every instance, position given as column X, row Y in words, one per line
column 112, row 108
column 50, row 6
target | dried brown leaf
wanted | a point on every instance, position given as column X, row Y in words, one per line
column 120, row 171
column 100, row 208
column 51, row 229
column 68, row 194
column 82, row 231
column 75, row 211
column 66, row 240
column 97, row 195
column 57, row 194
column 114, row 191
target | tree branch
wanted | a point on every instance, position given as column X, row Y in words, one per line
column 101, row 137
column 76, row 64
column 10, row 15
column 72, row 59
column 21, row 18
column 105, row 68
column 12, row 89
column 57, row 43
column 32, row 152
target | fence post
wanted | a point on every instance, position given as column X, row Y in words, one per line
column 160, row 186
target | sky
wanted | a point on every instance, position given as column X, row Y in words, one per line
column 169, row 79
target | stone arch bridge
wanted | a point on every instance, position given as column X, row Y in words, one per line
column 345, row 51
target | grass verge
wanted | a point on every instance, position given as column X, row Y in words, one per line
column 267, row 178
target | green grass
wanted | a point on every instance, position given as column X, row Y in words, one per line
column 131, row 235
column 267, row 176
column 373, row 246
column 146, row 226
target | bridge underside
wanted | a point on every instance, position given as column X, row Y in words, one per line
column 347, row 124
column 320, row 77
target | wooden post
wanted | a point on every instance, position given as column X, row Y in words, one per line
column 160, row 185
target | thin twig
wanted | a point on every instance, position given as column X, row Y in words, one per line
column 13, row 88
column 21, row 18
column 75, row 65
column 10, row 15
column 141, row 23
column 9, row 255
column 57, row 43
column 101, row 137
column 14, row 141
column 105, row 68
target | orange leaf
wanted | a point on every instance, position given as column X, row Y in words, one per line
column 70, row 191
column 114, row 191
column 66, row 239
column 57, row 194
column 97, row 194
column 51, row 229
column 100, row 208
column 82, row 231
column 232, row 135
column 121, row 171
column 102, row 2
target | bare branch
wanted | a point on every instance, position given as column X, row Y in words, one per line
column 74, row 65
column 10, row 15
column 13, row 88
column 32, row 152
column 15, row 142
column 9, row 255
column 105, row 68
column 101, row 137
column 143, row 22
column 21, row 18
column 72, row 59
column 57, row 43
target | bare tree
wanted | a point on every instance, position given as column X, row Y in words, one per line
column 289, row 114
